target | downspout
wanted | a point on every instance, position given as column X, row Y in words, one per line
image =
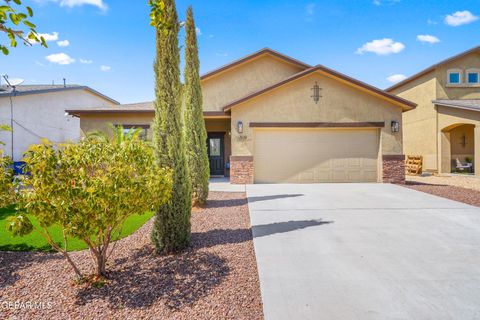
column 11, row 122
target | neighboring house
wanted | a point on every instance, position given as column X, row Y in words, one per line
column 271, row 118
column 445, row 127
column 38, row 111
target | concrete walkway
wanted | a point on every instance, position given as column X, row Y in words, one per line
column 223, row 185
column 364, row 251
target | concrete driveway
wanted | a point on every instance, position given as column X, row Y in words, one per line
column 364, row 251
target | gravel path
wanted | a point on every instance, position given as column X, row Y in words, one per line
column 216, row 279
column 457, row 181
column 464, row 195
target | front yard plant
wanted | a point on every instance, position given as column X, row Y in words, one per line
column 171, row 229
column 88, row 190
column 195, row 132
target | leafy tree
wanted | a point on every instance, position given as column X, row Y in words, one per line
column 171, row 230
column 89, row 189
column 195, row 132
column 17, row 26
column 6, row 176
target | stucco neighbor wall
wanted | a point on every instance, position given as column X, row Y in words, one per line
column 420, row 124
column 100, row 121
column 293, row 103
column 43, row 116
column 446, row 91
column 239, row 81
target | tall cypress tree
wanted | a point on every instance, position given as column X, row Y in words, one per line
column 195, row 132
column 171, row 229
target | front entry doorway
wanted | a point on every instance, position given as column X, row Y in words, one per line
column 215, row 144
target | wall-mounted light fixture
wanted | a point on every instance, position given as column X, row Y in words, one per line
column 240, row 127
column 395, row 126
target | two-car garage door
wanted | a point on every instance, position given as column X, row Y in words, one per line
column 316, row 155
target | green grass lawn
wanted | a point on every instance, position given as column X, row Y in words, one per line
column 35, row 241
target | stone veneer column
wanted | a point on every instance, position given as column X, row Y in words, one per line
column 241, row 169
column 394, row 169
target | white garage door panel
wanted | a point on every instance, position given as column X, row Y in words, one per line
column 316, row 155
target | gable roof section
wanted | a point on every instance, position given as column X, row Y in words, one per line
column 406, row 105
column 431, row 68
column 265, row 51
column 39, row 89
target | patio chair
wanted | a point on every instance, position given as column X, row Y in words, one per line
column 460, row 166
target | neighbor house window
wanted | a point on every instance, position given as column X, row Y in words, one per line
column 473, row 76
column 454, row 76
column 143, row 133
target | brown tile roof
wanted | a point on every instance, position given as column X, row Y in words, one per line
column 22, row 90
column 473, row 105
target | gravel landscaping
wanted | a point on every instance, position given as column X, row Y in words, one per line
column 215, row 279
column 468, row 196
column 469, row 182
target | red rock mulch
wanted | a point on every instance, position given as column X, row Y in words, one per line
column 464, row 195
column 216, row 279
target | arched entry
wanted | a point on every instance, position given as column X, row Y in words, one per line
column 458, row 148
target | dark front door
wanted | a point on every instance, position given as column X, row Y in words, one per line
column 216, row 154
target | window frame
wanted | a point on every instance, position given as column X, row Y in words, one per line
column 475, row 71
column 460, row 77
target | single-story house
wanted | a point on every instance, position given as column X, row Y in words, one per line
column 271, row 119
column 445, row 127
column 38, row 111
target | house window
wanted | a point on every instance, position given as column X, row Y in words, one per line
column 473, row 76
column 143, row 133
column 454, row 77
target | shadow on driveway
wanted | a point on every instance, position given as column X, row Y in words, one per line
column 282, row 227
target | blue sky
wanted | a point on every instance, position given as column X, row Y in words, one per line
column 111, row 46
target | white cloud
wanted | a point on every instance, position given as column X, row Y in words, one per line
column 76, row 3
column 63, row 43
column 47, row 36
column 85, row 61
column 198, row 31
column 60, row 58
column 105, row 68
column 394, row 78
column 380, row 2
column 310, row 9
column 427, row 38
column 459, row 18
column 381, row 47
column 432, row 22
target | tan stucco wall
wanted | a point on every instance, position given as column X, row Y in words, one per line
column 445, row 91
column 293, row 103
column 246, row 78
column 100, row 121
column 422, row 130
column 420, row 124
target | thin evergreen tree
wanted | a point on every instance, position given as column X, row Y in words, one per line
column 195, row 132
column 171, row 228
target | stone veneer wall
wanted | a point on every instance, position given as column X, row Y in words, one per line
column 394, row 169
column 241, row 170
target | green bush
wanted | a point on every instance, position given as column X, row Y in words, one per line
column 89, row 189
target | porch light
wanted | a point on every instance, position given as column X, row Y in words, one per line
column 395, row 126
column 240, row 127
